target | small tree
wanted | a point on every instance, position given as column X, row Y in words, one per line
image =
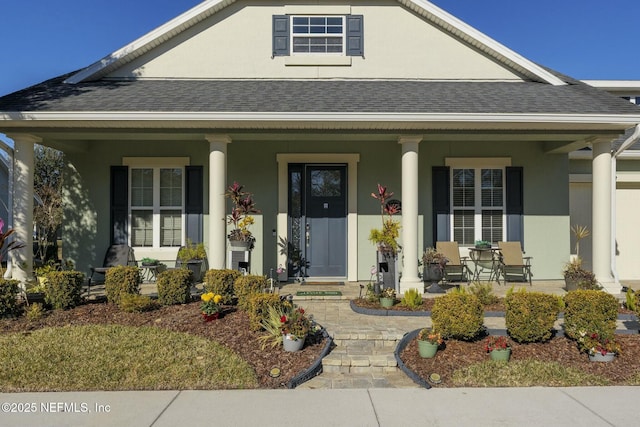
column 47, row 185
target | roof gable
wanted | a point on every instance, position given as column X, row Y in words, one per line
column 437, row 17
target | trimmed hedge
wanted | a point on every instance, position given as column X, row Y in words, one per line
column 530, row 316
column 458, row 315
column 9, row 298
column 590, row 311
column 134, row 303
column 121, row 279
column 220, row 282
column 258, row 311
column 174, row 286
column 63, row 289
column 245, row 286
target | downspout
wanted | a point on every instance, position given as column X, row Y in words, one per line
column 635, row 136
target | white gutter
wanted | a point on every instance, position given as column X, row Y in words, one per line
column 635, row 136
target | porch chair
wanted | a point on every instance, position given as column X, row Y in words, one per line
column 116, row 255
column 456, row 269
column 512, row 263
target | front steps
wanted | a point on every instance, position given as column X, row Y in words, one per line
column 363, row 353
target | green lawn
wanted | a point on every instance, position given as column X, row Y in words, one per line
column 75, row 358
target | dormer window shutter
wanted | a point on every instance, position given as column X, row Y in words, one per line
column 355, row 36
column 280, row 35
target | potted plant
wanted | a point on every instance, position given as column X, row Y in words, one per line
column 387, row 297
column 295, row 327
column 599, row 347
column 149, row 262
column 433, row 264
column 428, row 342
column 192, row 256
column 482, row 244
column 576, row 277
column 386, row 238
column 210, row 306
column 240, row 236
column 498, row 348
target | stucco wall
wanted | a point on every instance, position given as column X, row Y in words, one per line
column 237, row 43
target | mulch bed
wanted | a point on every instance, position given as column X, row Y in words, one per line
column 231, row 330
column 458, row 354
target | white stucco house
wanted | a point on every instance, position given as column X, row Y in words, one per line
column 310, row 104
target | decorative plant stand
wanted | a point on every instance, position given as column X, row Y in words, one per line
column 239, row 260
column 387, row 268
column 433, row 274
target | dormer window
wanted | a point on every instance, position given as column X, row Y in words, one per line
column 318, row 35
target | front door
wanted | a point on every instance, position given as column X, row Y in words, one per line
column 318, row 219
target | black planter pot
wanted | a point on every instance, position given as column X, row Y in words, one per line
column 433, row 274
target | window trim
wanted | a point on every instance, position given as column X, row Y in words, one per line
column 156, row 163
column 478, row 163
column 342, row 35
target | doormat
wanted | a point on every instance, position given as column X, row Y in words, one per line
column 318, row 294
column 322, row 283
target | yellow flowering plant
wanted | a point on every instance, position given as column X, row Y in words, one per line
column 210, row 303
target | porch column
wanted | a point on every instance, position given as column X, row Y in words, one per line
column 601, row 209
column 217, row 188
column 410, row 277
column 22, row 259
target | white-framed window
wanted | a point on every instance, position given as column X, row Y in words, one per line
column 317, row 34
column 156, row 202
column 478, row 200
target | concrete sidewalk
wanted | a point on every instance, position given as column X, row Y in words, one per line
column 536, row 406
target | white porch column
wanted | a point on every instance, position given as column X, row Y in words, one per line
column 410, row 277
column 217, row 188
column 601, row 209
column 22, row 259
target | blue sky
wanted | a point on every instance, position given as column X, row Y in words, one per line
column 587, row 39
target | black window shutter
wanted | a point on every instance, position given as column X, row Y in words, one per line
column 280, row 35
column 194, row 203
column 119, row 199
column 515, row 204
column 355, row 35
column 441, row 204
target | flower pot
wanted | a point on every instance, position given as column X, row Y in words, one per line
column 292, row 343
column 427, row 349
column 570, row 284
column 210, row 317
column 432, row 274
column 501, row 354
column 386, row 302
column 599, row 357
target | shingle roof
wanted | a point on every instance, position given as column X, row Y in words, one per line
column 335, row 96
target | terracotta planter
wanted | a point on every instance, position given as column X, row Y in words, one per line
column 500, row 354
column 291, row 344
column 599, row 357
column 427, row 349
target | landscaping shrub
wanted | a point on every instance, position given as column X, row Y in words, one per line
column 245, row 286
column 258, row 311
column 35, row 312
column 412, row 299
column 63, row 289
column 590, row 311
column 484, row 292
column 530, row 315
column 220, row 282
column 458, row 315
column 9, row 298
column 121, row 279
column 174, row 286
column 134, row 303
